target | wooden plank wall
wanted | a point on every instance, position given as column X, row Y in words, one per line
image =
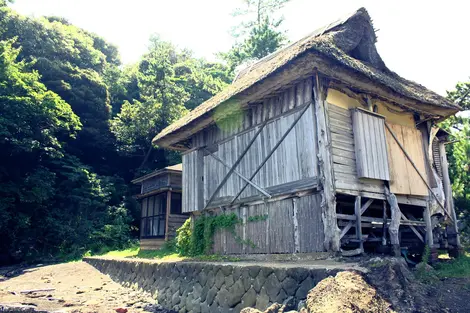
column 175, row 221
column 276, row 233
column 344, row 155
column 192, row 198
column 370, row 145
column 404, row 178
column 295, row 158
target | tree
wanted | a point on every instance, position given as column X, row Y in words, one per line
column 259, row 33
column 458, row 153
column 71, row 62
column 169, row 82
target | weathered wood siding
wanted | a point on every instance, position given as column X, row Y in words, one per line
column 192, row 181
column 344, row 155
column 295, row 159
column 176, row 180
column 175, row 221
column 276, row 233
column 155, row 183
column 404, row 178
column 370, row 145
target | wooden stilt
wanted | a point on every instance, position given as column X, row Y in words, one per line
column 427, row 219
column 394, row 228
column 384, row 225
column 357, row 211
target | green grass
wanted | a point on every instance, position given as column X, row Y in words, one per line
column 166, row 253
column 458, row 268
column 126, row 253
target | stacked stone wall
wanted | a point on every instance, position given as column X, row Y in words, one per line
column 213, row 287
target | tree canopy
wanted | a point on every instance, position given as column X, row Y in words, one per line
column 76, row 126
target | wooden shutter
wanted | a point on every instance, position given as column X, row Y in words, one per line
column 370, row 145
column 193, row 181
column 404, row 178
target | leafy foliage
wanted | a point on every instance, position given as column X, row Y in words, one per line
column 76, row 127
column 259, row 35
column 458, row 154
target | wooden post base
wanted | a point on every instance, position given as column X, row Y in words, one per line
column 396, row 251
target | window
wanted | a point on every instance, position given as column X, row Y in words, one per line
column 176, row 203
column 153, row 216
column 370, row 145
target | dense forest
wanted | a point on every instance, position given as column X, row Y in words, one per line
column 76, row 126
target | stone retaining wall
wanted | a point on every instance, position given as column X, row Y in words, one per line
column 213, row 287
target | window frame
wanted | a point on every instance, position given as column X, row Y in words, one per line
column 148, row 222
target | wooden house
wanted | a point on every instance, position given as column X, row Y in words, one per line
column 161, row 207
column 335, row 150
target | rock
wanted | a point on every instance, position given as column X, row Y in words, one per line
column 235, row 294
column 262, row 300
column 346, row 292
column 249, row 298
column 272, row 287
column 250, row 310
column 121, row 310
column 290, row 285
column 211, row 295
column 219, row 279
column 304, row 288
column 275, row 308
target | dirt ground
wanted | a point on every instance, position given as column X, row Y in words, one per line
column 77, row 287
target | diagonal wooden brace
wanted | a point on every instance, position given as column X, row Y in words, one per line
column 224, row 180
column 259, row 188
column 307, row 105
column 350, row 224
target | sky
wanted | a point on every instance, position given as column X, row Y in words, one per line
column 425, row 41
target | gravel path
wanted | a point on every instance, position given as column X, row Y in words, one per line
column 78, row 287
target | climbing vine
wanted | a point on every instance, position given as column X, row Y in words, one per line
column 200, row 240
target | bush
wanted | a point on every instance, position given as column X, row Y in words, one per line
column 183, row 238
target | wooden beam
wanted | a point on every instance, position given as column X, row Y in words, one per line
column 378, row 220
column 325, row 162
column 350, row 224
column 357, row 211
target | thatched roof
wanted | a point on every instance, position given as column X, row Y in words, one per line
column 349, row 42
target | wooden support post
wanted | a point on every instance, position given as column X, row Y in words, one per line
column 296, row 227
column 427, row 219
column 452, row 230
column 350, row 224
column 168, row 211
column 325, row 163
column 357, row 211
column 384, row 225
column 244, row 219
column 394, row 227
